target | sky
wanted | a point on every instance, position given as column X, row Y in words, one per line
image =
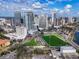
column 69, row 7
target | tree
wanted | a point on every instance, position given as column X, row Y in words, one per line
column 23, row 52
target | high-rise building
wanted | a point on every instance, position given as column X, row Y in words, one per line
column 74, row 19
column 59, row 21
column 71, row 20
column 54, row 19
column 66, row 19
column 28, row 20
column 43, row 21
column 47, row 24
column 77, row 19
column 17, row 18
column 50, row 22
column 63, row 21
column 36, row 20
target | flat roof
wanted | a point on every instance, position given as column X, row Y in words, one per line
column 67, row 48
column 15, row 36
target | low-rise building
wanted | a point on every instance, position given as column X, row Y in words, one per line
column 4, row 43
column 67, row 49
column 21, row 33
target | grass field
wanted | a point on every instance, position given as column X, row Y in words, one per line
column 58, row 35
column 54, row 40
column 31, row 42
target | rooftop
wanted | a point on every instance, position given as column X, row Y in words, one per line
column 3, row 41
column 67, row 48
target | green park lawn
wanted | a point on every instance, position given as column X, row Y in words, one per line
column 54, row 40
column 31, row 42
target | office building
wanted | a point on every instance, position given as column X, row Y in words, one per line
column 62, row 21
column 17, row 18
column 36, row 20
column 65, row 20
column 30, row 17
column 54, row 20
column 43, row 21
column 28, row 21
column 77, row 19
column 71, row 20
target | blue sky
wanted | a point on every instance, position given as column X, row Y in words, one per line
column 8, row 7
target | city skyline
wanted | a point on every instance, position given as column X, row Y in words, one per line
column 8, row 7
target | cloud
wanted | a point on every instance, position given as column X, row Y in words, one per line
column 64, row 11
column 51, row 2
column 78, row 13
column 67, row 10
column 21, row 1
column 23, row 5
column 55, row 9
column 37, row 5
column 63, row 0
column 59, row 0
column 68, row 6
column 23, row 9
column 17, row 0
column 61, row 11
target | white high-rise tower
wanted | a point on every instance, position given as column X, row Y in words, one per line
column 53, row 20
column 28, row 19
column 43, row 22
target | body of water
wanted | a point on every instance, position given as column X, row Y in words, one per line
column 76, row 38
